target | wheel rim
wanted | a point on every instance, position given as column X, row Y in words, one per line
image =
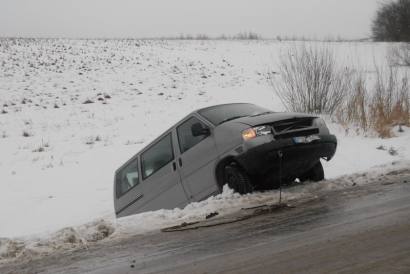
column 230, row 179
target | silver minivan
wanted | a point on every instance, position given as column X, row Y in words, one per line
column 242, row 145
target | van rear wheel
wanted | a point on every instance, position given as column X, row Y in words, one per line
column 315, row 174
column 237, row 179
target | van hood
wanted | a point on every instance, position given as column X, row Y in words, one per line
column 271, row 118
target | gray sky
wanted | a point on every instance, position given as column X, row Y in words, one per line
column 153, row 18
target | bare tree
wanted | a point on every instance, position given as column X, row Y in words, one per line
column 399, row 55
column 310, row 81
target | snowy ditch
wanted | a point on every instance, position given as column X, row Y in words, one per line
column 108, row 229
column 70, row 117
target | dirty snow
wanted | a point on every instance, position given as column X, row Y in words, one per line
column 228, row 202
column 72, row 111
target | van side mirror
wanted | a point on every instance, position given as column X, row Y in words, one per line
column 198, row 130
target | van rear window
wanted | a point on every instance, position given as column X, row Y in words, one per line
column 127, row 178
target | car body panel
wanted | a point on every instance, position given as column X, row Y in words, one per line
column 225, row 140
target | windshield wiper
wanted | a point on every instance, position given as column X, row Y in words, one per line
column 262, row 113
column 232, row 118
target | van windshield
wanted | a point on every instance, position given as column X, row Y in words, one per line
column 224, row 113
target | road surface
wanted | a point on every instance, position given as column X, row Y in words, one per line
column 362, row 229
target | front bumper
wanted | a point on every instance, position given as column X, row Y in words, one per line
column 260, row 159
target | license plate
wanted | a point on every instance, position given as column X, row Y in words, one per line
column 305, row 139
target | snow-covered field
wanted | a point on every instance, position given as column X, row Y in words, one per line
column 72, row 111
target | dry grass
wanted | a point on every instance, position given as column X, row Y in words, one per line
column 354, row 109
column 386, row 105
column 310, row 81
column 390, row 102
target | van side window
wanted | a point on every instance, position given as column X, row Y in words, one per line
column 157, row 156
column 185, row 138
column 127, row 178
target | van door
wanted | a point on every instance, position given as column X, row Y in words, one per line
column 161, row 183
column 197, row 158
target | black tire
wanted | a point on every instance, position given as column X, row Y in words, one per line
column 315, row 174
column 237, row 179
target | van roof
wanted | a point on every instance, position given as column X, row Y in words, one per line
column 220, row 105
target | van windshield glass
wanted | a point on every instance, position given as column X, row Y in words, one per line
column 224, row 113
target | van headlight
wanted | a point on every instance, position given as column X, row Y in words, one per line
column 253, row 132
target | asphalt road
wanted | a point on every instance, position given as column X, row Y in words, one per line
column 362, row 229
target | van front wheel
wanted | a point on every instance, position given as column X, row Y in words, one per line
column 237, row 179
column 315, row 174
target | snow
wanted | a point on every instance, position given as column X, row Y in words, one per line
column 106, row 229
column 56, row 183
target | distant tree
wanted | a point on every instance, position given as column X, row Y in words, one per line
column 247, row 36
column 392, row 22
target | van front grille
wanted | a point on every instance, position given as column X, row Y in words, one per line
column 291, row 124
column 294, row 127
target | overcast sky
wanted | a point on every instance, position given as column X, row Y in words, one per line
column 154, row 18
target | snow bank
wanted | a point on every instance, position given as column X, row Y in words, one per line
column 66, row 239
column 228, row 202
column 72, row 111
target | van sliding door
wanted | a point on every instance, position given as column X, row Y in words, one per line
column 160, row 178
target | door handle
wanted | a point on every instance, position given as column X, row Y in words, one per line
column 174, row 166
column 180, row 162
